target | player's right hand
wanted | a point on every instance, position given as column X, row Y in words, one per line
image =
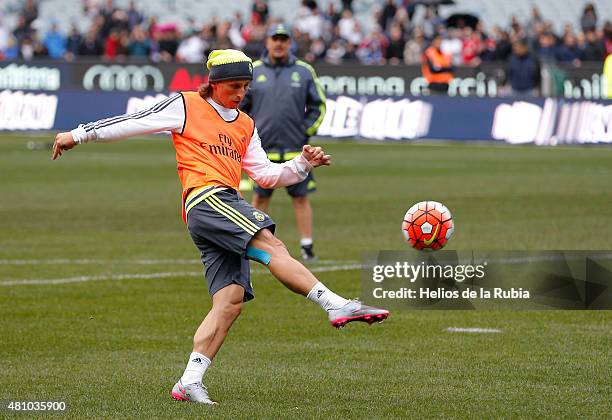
column 63, row 141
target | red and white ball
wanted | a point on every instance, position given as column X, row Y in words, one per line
column 428, row 225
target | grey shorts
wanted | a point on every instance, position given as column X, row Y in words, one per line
column 301, row 189
column 221, row 226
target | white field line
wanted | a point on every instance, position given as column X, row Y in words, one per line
column 474, row 330
column 138, row 276
column 86, row 261
column 323, row 266
column 185, row 261
column 85, row 279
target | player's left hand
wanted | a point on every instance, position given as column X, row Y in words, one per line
column 315, row 156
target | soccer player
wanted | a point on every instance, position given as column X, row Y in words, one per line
column 288, row 105
column 214, row 141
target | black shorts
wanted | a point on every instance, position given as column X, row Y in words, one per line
column 221, row 225
column 301, row 189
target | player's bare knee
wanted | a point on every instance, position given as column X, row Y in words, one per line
column 229, row 311
column 264, row 247
column 278, row 245
column 300, row 201
column 259, row 201
column 262, row 239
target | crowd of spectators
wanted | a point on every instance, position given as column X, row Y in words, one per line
column 331, row 35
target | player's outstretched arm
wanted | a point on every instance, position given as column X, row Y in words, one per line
column 315, row 156
column 63, row 141
column 167, row 115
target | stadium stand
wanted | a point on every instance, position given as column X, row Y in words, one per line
column 368, row 31
column 491, row 12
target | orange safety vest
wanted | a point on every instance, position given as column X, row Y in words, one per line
column 438, row 59
column 209, row 151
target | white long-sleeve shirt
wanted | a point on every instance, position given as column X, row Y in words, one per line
column 169, row 115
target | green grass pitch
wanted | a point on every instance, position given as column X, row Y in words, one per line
column 114, row 345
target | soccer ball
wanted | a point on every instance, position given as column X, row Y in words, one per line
column 428, row 225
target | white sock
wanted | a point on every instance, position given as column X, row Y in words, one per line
column 305, row 241
column 197, row 365
column 325, row 298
